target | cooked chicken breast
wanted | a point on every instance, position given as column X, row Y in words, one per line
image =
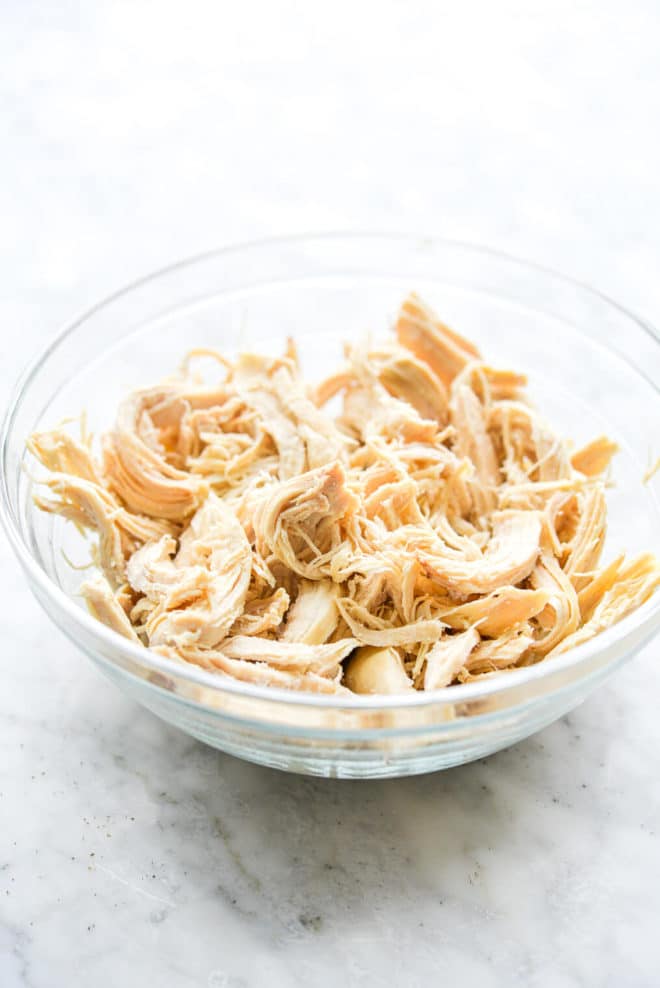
column 434, row 531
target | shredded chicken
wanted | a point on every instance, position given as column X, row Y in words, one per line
column 435, row 531
column 377, row 670
column 106, row 608
column 197, row 590
column 448, row 657
column 313, row 617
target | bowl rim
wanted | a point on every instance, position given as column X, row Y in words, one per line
column 646, row 617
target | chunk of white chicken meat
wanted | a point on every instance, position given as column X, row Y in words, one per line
column 303, row 521
column 294, row 656
column 199, row 589
column 377, row 670
column 262, row 614
column 371, row 630
column 398, row 373
column 496, row 654
column 447, row 657
column 509, row 556
column 496, row 612
column 303, row 436
column 61, row 453
column 105, row 607
column 258, row 673
column 420, row 331
column 473, row 443
column 593, row 459
column 632, row 587
column 313, row 617
column 138, row 471
column 94, row 508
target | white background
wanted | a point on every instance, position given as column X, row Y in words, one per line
column 134, row 133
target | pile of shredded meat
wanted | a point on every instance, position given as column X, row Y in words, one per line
column 435, row 531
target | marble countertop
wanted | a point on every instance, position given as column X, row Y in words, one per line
column 136, row 133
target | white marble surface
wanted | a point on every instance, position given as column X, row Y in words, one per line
column 137, row 132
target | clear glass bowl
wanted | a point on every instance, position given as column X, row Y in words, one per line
column 593, row 368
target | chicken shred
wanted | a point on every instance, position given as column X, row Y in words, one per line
column 594, row 458
column 105, row 607
column 448, row 657
column 434, row 531
column 313, row 617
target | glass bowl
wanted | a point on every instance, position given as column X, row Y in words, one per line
column 593, row 368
